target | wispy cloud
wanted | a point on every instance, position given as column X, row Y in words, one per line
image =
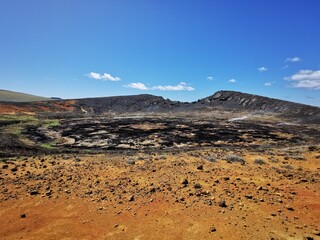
column 182, row 86
column 103, row 77
column 210, row 78
column 285, row 66
column 138, row 85
column 268, row 84
column 293, row 59
column 262, row 69
column 232, row 80
column 308, row 79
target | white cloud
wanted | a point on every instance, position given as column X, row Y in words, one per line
column 268, row 84
column 293, row 59
column 94, row 75
column 210, row 78
column 137, row 85
column 104, row 77
column 107, row 76
column 262, row 69
column 308, row 79
column 182, row 86
column 232, row 81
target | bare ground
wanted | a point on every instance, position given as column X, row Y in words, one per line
column 177, row 195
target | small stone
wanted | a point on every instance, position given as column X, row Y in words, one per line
column 290, row 208
column 222, row 203
column 316, row 232
column 184, row 181
column 308, row 238
column 197, row 186
column 104, row 198
column 273, row 214
column 131, row 198
column 200, row 167
column 14, row 169
column 34, row 192
column 213, row 229
column 23, row 215
column 248, row 196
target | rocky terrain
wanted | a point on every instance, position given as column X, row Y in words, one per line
column 230, row 166
column 204, row 194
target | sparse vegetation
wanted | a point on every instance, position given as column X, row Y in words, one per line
column 52, row 123
column 47, row 145
column 259, row 161
column 232, row 158
column 212, row 159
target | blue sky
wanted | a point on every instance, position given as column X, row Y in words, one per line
column 183, row 50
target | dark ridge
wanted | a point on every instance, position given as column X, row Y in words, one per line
column 242, row 101
column 123, row 104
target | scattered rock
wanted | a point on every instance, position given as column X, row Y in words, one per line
column 200, row 167
column 14, row 169
column 248, row 196
column 184, row 181
column 316, row 232
column 34, row 192
column 308, row 238
column 222, row 203
column 290, row 208
column 152, row 190
column 23, row 215
column 213, row 229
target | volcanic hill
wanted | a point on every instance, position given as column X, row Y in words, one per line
column 145, row 103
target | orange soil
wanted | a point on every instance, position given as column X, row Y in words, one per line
column 104, row 197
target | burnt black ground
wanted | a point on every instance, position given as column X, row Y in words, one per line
column 160, row 133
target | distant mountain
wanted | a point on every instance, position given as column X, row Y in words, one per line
column 10, row 96
column 145, row 103
column 244, row 101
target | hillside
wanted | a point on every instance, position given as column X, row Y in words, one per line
column 145, row 103
column 11, row 96
column 244, row 101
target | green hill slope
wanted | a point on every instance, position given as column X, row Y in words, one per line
column 10, row 96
